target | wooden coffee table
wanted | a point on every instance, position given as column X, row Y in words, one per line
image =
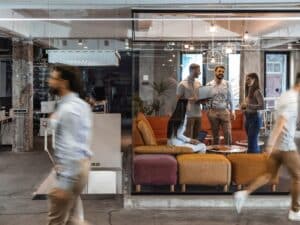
column 226, row 149
column 209, row 138
column 245, row 143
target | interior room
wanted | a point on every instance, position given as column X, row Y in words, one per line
column 164, row 45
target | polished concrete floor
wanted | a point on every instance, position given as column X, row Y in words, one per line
column 20, row 174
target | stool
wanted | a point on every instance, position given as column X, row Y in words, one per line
column 247, row 167
column 154, row 169
column 204, row 169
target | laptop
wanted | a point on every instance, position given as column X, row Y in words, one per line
column 205, row 92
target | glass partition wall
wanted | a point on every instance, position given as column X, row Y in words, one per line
column 165, row 43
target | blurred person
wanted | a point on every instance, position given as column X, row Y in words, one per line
column 254, row 101
column 72, row 124
column 221, row 107
column 189, row 89
column 281, row 150
column 177, row 126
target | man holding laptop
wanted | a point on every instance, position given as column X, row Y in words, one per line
column 189, row 89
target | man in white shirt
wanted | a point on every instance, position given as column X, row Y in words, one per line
column 282, row 150
column 72, row 124
column 189, row 89
column 221, row 107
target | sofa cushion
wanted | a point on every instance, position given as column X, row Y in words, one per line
column 204, row 169
column 159, row 125
column 141, row 117
column 247, row 167
column 147, row 133
column 137, row 139
column 162, row 149
column 154, row 169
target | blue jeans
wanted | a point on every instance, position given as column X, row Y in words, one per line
column 253, row 124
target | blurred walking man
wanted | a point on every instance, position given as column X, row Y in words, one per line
column 72, row 124
column 282, row 150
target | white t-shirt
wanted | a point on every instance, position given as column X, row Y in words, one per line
column 287, row 107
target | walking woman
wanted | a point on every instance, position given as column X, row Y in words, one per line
column 254, row 102
column 176, row 128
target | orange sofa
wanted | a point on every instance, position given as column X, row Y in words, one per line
column 159, row 125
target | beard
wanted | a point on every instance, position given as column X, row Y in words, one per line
column 53, row 91
column 220, row 76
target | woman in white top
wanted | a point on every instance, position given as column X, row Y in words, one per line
column 176, row 129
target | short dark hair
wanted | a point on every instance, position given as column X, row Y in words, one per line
column 70, row 74
column 194, row 66
column 219, row 66
column 297, row 80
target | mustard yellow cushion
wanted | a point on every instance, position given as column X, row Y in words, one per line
column 147, row 133
column 163, row 149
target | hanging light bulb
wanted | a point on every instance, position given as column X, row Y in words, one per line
column 246, row 35
column 126, row 44
column 213, row 60
column 212, row 28
column 228, row 50
column 192, row 48
column 80, row 42
column 186, row 46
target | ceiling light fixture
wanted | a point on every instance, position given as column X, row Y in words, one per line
column 186, row 46
column 213, row 60
column 212, row 28
column 246, row 35
column 192, row 48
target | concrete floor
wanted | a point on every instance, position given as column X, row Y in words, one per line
column 20, row 173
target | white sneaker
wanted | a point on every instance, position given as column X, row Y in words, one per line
column 294, row 216
column 240, row 198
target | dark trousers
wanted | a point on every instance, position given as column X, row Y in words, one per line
column 193, row 126
column 252, row 126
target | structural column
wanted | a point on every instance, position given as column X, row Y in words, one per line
column 22, row 82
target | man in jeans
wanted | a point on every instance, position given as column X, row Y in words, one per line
column 189, row 89
column 221, row 107
column 72, row 124
column 282, row 150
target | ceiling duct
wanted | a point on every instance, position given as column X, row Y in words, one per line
column 84, row 57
